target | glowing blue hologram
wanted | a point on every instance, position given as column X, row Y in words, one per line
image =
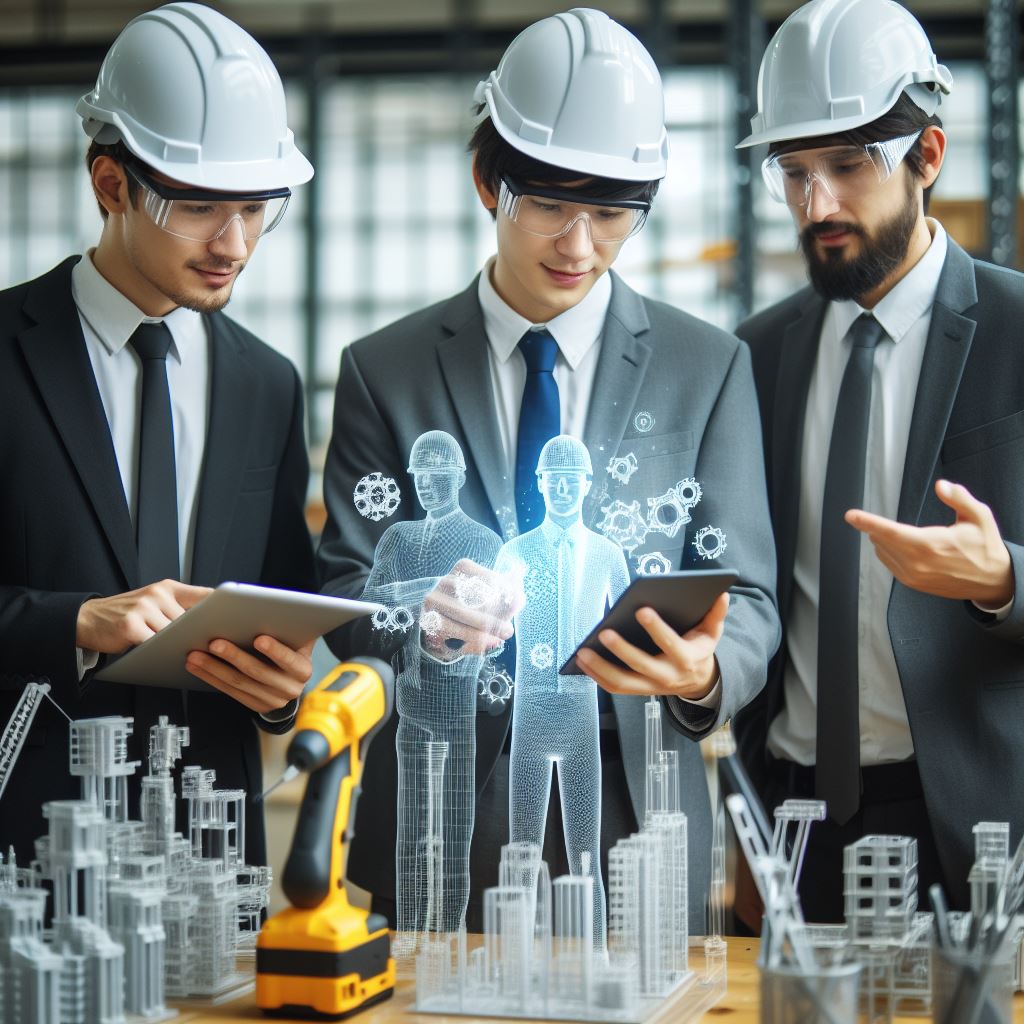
column 643, row 421
column 709, row 542
column 624, row 524
column 653, row 563
column 394, row 620
column 570, row 577
column 671, row 510
column 436, row 689
column 377, row 497
column 495, row 687
column 622, row 468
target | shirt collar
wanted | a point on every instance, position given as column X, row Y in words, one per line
column 575, row 331
column 909, row 299
column 113, row 317
column 553, row 533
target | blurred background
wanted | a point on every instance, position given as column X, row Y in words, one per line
column 379, row 95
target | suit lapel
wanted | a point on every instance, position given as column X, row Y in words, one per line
column 949, row 342
column 232, row 393
column 797, row 357
column 55, row 352
column 466, row 370
column 620, row 373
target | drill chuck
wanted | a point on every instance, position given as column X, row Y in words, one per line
column 308, row 750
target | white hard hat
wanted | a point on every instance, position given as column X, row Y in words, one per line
column 580, row 92
column 835, row 65
column 195, row 97
column 564, row 454
column 436, row 451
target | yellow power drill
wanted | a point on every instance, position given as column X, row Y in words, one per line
column 322, row 958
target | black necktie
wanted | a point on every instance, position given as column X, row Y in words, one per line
column 539, row 421
column 156, row 507
column 837, row 769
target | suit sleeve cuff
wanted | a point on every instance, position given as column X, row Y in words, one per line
column 274, row 720
column 695, row 715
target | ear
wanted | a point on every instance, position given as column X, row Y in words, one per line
column 588, row 482
column 933, row 152
column 487, row 197
column 109, row 184
column 460, row 480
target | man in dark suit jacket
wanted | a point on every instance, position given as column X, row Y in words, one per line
column 656, row 395
column 75, row 585
column 897, row 694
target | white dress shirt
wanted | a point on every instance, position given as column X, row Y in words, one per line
column 108, row 321
column 905, row 314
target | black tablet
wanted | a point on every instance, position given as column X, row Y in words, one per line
column 682, row 599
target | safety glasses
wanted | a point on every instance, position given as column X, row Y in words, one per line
column 202, row 216
column 845, row 172
column 551, row 213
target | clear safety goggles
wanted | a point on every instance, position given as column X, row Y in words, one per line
column 845, row 172
column 202, row 216
column 551, row 213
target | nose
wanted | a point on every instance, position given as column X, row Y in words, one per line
column 576, row 243
column 562, row 490
column 230, row 243
column 820, row 201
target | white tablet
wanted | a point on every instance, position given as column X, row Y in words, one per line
column 238, row 612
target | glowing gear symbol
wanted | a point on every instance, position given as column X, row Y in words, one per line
column 671, row 510
column 495, row 689
column 653, row 563
column 542, row 656
column 622, row 468
column 643, row 421
column 376, row 497
column 394, row 620
column 624, row 524
column 471, row 591
column 431, row 622
column 709, row 542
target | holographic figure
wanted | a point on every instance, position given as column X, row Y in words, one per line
column 570, row 577
column 436, row 690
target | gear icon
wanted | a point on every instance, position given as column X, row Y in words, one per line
column 709, row 542
column 653, row 563
column 472, row 591
column 495, row 689
column 376, row 497
column 431, row 622
column 643, row 421
column 622, row 468
column 542, row 656
column 381, row 618
column 624, row 524
column 671, row 510
column 401, row 620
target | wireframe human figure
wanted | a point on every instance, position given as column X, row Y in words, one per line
column 570, row 576
column 438, row 568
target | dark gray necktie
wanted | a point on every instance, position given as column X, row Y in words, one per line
column 837, row 770
column 156, row 507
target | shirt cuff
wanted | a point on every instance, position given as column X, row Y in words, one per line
column 712, row 701
column 281, row 714
column 686, row 714
column 999, row 613
column 89, row 659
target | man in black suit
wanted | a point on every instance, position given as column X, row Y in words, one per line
column 152, row 448
column 891, row 404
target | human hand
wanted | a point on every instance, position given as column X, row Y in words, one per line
column 967, row 561
column 260, row 685
column 685, row 668
column 470, row 611
column 110, row 625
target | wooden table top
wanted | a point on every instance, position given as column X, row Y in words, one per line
column 740, row 1005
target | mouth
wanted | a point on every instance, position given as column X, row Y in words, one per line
column 217, row 278
column 565, row 278
column 832, row 236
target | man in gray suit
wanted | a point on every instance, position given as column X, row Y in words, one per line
column 889, row 407
column 548, row 340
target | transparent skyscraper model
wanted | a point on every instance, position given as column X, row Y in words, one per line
column 538, row 957
column 436, row 690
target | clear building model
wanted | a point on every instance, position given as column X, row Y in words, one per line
column 539, row 957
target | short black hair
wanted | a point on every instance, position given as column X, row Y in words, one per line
column 495, row 158
column 123, row 155
column 904, row 117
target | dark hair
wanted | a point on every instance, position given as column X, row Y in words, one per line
column 904, row 117
column 493, row 158
column 122, row 154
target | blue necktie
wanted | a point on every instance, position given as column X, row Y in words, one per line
column 539, row 421
column 837, row 767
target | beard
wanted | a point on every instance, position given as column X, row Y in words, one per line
column 835, row 276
